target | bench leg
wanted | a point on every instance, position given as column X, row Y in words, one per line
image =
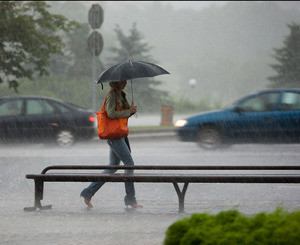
column 181, row 195
column 38, row 196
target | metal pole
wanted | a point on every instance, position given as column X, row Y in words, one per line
column 131, row 91
column 94, row 84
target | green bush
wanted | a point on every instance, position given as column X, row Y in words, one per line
column 233, row 228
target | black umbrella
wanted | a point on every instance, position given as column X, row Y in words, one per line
column 130, row 70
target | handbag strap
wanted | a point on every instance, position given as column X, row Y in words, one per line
column 103, row 106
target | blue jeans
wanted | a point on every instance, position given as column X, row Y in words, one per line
column 119, row 151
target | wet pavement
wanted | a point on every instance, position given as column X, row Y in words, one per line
column 109, row 222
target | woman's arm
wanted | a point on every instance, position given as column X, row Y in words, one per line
column 111, row 107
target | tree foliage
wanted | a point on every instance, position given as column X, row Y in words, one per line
column 288, row 58
column 131, row 47
column 134, row 48
column 81, row 56
column 29, row 35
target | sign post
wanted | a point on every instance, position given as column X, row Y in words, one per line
column 95, row 41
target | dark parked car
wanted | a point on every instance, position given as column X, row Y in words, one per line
column 269, row 116
column 42, row 119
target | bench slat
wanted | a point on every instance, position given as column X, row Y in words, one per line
column 164, row 167
column 167, row 178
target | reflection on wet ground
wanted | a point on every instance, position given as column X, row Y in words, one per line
column 69, row 222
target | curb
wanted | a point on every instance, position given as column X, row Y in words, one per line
column 150, row 135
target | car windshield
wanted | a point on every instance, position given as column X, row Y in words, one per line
column 259, row 102
column 231, row 104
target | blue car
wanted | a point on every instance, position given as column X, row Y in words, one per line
column 269, row 116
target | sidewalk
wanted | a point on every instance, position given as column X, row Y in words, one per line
column 150, row 134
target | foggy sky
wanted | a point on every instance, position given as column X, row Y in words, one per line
column 196, row 5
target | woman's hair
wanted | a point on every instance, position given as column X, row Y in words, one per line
column 115, row 85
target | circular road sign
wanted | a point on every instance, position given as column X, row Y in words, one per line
column 95, row 43
column 96, row 16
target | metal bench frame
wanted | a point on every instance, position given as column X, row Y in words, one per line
column 175, row 179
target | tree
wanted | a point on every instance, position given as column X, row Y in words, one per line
column 133, row 48
column 81, row 55
column 288, row 57
column 29, row 35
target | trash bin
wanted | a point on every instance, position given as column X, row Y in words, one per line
column 167, row 116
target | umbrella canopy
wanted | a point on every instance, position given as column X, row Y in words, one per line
column 130, row 70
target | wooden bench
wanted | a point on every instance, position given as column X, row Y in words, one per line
column 198, row 175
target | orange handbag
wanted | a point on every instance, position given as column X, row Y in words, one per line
column 111, row 128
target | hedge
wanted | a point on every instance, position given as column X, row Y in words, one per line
column 234, row 228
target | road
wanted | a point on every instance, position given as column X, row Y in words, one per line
column 108, row 223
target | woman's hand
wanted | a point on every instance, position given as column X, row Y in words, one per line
column 133, row 108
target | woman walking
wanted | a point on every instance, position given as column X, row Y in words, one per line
column 119, row 148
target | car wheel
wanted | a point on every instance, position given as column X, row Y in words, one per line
column 65, row 138
column 209, row 139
